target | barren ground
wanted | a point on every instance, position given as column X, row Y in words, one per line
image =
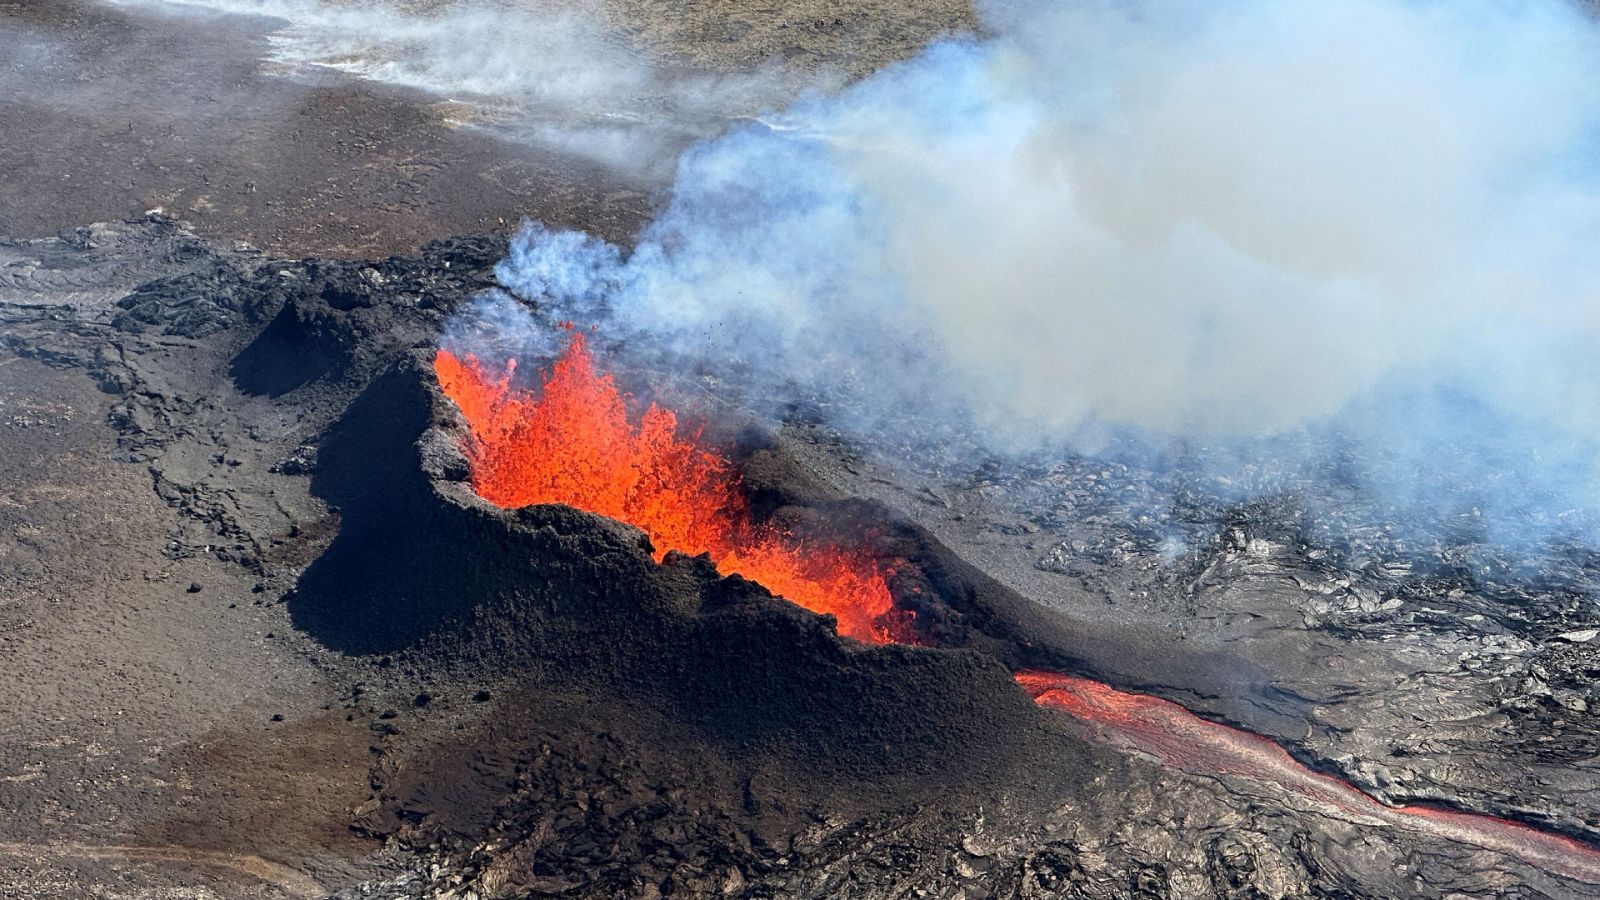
column 178, row 719
column 139, row 751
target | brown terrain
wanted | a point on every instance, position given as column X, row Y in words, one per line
column 258, row 637
column 141, row 750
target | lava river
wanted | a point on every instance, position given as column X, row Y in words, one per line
column 571, row 441
column 1183, row 740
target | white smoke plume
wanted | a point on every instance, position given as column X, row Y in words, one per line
column 1369, row 223
column 542, row 71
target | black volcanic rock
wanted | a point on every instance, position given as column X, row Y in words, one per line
column 654, row 727
column 422, row 564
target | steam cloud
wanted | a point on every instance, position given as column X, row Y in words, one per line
column 543, row 71
column 1362, row 228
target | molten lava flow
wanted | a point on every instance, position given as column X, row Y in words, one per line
column 573, row 442
column 1182, row 740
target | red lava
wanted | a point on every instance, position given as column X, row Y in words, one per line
column 1182, row 740
column 572, row 441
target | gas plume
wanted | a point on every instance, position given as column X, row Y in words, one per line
column 1358, row 229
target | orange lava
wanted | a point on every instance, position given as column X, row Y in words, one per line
column 1182, row 740
column 572, row 441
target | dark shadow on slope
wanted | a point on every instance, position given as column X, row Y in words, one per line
column 389, row 577
column 289, row 353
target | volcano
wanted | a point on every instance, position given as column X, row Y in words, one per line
column 568, row 671
column 568, row 440
column 997, row 451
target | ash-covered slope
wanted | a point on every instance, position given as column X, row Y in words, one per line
column 553, row 711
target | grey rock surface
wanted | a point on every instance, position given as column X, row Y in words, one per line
column 233, row 382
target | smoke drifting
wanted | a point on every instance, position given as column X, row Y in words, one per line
column 543, row 71
column 1359, row 229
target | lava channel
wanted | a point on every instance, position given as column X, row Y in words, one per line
column 1183, row 740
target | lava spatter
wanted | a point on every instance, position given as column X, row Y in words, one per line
column 572, row 441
